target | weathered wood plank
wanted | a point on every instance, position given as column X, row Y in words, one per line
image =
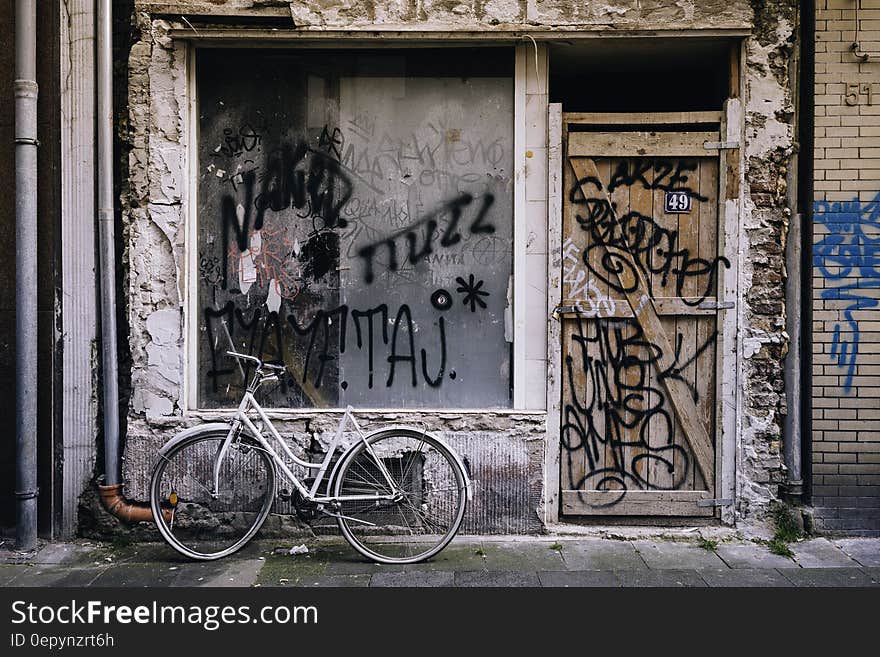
column 688, row 240
column 636, row 502
column 707, row 327
column 640, row 144
column 664, row 305
column 642, row 201
column 640, row 118
column 554, row 296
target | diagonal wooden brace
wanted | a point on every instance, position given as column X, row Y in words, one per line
column 646, row 315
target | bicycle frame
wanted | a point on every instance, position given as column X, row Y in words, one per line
column 241, row 419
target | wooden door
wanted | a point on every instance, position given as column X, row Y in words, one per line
column 640, row 271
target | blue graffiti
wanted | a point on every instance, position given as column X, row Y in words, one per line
column 847, row 258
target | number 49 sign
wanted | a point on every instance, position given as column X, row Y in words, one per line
column 678, row 202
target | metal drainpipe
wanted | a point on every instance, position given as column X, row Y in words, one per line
column 25, row 87
column 792, row 438
column 106, row 243
column 111, row 493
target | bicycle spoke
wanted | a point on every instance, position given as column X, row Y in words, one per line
column 418, row 450
column 426, row 516
column 186, row 475
column 219, row 523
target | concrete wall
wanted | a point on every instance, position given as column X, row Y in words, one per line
column 155, row 210
column 846, row 271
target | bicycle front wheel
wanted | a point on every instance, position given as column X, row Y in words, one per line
column 194, row 518
column 423, row 506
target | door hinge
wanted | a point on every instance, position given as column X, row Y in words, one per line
column 566, row 310
column 720, row 145
column 719, row 502
column 715, row 305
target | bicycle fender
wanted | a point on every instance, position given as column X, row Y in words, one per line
column 464, row 469
column 192, row 431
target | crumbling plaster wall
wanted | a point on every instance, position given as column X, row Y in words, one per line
column 768, row 152
column 156, row 195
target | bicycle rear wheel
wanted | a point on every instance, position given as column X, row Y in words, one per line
column 206, row 524
column 429, row 502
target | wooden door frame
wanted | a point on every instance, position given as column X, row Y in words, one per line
column 727, row 394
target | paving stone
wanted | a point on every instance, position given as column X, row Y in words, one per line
column 277, row 571
column 599, row 554
column 521, row 555
column 496, row 579
column 864, row 550
column 79, row 577
column 137, row 575
column 332, row 581
column 197, row 573
column 151, row 552
column 874, row 573
column 822, row 577
column 337, row 560
column 8, row 573
column 64, row 553
column 744, row 577
column 45, row 576
column 752, row 555
column 413, row 578
column 577, row 578
column 679, row 556
column 660, row 578
column 237, row 573
column 821, row 553
column 462, row 557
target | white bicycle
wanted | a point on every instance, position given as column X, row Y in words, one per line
column 398, row 494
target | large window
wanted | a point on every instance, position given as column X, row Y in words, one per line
column 355, row 214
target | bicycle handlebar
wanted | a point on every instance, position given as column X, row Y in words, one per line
column 260, row 364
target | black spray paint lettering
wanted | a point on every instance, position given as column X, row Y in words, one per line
column 420, row 236
column 295, row 177
column 321, row 323
column 667, row 177
column 621, row 406
column 320, row 347
column 306, row 179
column 237, row 143
column 633, row 247
column 258, row 331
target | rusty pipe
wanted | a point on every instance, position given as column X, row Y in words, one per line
column 116, row 505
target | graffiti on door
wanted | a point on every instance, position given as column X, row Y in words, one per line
column 618, row 425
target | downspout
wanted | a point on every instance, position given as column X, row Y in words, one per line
column 111, row 493
column 26, row 90
column 807, row 113
column 793, row 487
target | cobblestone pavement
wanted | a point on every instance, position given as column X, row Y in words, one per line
column 467, row 562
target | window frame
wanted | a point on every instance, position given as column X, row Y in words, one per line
column 519, row 324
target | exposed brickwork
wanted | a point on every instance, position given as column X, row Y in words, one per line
column 846, row 280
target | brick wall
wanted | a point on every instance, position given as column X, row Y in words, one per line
column 846, row 270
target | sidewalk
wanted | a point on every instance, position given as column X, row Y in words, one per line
column 467, row 562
